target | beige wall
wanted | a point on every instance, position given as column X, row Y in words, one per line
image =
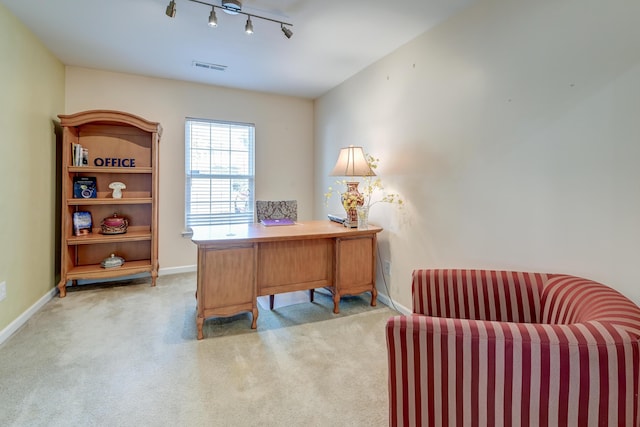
column 511, row 131
column 284, row 140
column 32, row 88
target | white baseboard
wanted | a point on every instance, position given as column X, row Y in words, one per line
column 391, row 303
column 24, row 317
column 177, row 270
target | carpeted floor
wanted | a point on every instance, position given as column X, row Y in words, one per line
column 127, row 355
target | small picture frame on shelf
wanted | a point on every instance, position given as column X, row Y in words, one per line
column 85, row 156
column 84, row 187
column 82, row 223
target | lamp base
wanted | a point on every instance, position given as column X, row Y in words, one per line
column 351, row 199
column 350, row 224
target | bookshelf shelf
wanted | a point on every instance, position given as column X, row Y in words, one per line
column 116, row 138
column 126, row 201
column 96, row 237
column 87, row 169
column 95, row 271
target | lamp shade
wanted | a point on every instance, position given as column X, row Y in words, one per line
column 352, row 162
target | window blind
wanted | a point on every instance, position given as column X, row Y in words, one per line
column 219, row 172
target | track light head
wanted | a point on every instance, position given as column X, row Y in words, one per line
column 287, row 32
column 213, row 19
column 171, row 9
column 248, row 28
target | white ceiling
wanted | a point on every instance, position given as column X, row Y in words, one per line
column 332, row 39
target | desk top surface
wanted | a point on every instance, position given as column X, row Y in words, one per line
column 258, row 232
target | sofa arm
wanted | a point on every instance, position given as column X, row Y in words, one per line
column 506, row 296
column 467, row 372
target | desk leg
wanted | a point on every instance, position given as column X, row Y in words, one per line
column 336, row 303
column 254, row 311
column 199, row 324
column 374, row 295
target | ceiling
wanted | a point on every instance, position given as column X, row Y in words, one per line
column 332, row 39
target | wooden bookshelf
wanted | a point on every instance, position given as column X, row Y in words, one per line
column 111, row 138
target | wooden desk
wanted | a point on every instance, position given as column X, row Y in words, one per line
column 238, row 263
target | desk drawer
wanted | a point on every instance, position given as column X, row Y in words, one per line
column 294, row 265
column 226, row 279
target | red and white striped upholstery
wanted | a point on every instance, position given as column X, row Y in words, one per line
column 495, row 348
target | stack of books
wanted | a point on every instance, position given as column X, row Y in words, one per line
column 337, row 218
column 80, row 155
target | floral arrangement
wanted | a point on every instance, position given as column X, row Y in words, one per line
column 372, row 183
column 368, row 186
column 351, row 200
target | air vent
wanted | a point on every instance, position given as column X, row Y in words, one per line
column 232, row 7
column 207, row 66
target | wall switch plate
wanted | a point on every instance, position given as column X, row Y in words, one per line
column 387, row 267
column 3, row 290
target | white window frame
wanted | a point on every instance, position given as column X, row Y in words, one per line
column 226, row 195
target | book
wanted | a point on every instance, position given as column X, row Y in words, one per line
column 74, row 154
column 80, row 155
column 82, row 223
column 280, row 221
column 84, row 187
column 340, row 219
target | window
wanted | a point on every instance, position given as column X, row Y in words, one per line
column 220, row 172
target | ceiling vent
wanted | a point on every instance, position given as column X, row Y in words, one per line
column 232, row 7
column 207, row 66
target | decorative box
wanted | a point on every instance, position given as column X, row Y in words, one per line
column 114, row 225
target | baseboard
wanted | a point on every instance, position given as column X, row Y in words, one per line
column 177, row 270
column 26, row 315
column 391, row 303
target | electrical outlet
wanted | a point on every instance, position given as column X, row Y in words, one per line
column 387, row 267
column 3, row 290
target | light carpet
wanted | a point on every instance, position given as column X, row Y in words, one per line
column 127, row 355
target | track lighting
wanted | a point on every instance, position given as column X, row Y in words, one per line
column 287, row 32
column 248, row 28
column 171, row 9
column 213, row 19
column 232, row 7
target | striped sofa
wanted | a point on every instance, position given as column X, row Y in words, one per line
column 499, row 348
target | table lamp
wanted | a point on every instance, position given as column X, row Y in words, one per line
column 352, row 162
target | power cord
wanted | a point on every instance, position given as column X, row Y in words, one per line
column 384, row 279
